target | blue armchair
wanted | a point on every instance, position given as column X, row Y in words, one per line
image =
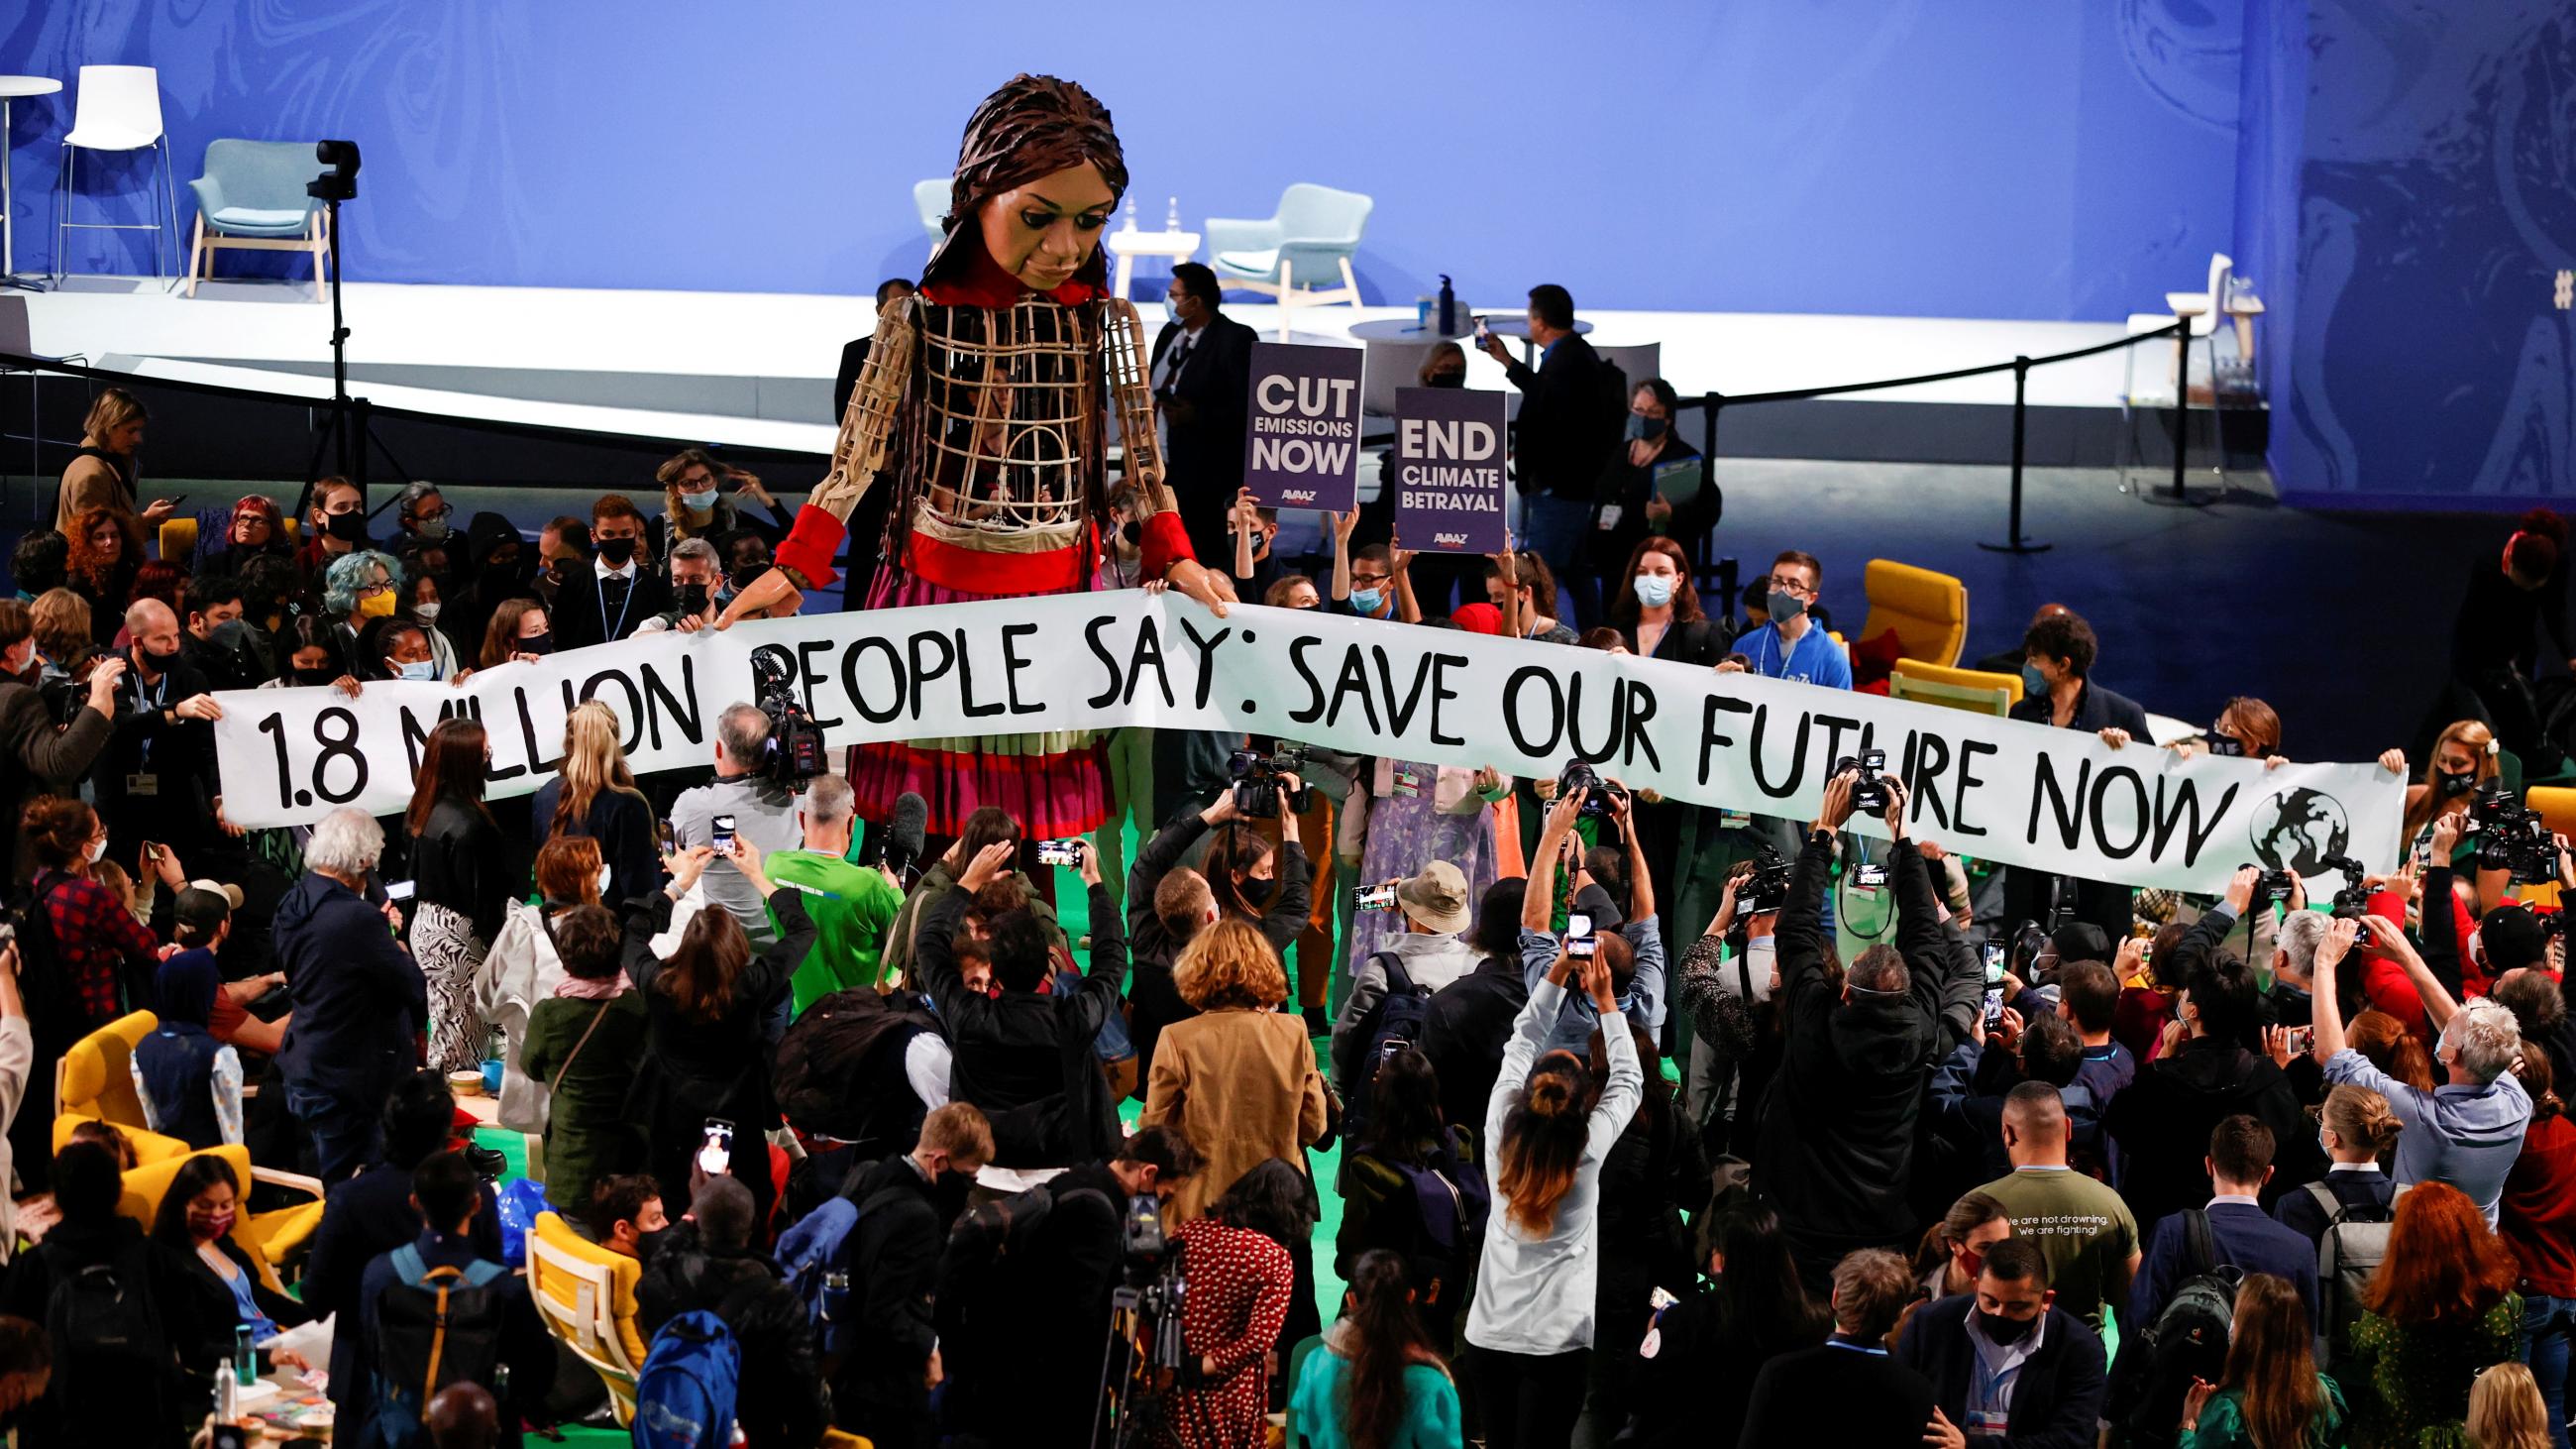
column 252, row 199
column 930, row 198
column 1313, row 234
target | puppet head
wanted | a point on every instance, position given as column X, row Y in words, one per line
column 1039, row 171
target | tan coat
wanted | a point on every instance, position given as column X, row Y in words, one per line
column 90, row 483
column 1243, row 1087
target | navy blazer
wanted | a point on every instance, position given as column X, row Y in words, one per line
column 359, row 999
column 1840, row 1396
column 2056, row 1401
column 2245, row 1238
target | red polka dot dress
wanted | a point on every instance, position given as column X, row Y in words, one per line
column 1239, row 1283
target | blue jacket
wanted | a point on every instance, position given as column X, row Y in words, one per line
column 2057, row 1400
column 358, row 997
column 2246, row 1238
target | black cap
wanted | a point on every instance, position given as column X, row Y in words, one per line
column 200, row 909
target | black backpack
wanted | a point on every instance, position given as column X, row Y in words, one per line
column 433, row 1327
column 2188, row 1339
column 106, row 1329
column 1400, row 1019
column 984, row 1242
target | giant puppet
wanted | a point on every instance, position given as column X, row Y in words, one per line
column 989, row 399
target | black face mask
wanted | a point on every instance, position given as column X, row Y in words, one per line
column 2226, row 746
column 1132, row 531
column 156, row 661
column 2004, row 1330
column 323, row 675
column 692, row 598
column 748, row 575
column 617, row 551
column 646, row 1244
column 1257, row 893
column 504, row 565
column 2459, row 784
column 349, row 527
column 1447, row 379
column 539, row 644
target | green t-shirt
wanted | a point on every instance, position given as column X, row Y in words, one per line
column 852, row 905
column 2081, row 1227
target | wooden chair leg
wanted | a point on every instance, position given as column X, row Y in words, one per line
column 197, row 256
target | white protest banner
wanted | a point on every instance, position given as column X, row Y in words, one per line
column 1997, row 789
column 1302, row 448
column 1448, row 469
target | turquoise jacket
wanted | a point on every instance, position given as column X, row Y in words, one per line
column 1314, row 1412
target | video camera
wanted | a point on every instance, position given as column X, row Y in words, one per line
column 1257, row 778
column 1869, row 785
column 1767, row 888
column 1145, row 1355
column 1579, row 775
column 2511, row 837
column 795, row 753
column 2271, row 888
column 2353, row 901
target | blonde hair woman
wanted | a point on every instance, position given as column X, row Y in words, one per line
column 593, row 793
column 1239, row 1079
column 2506, row 1410
column 102, row 474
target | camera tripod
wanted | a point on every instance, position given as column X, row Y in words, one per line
column 351, row 428
column 1143, row 1357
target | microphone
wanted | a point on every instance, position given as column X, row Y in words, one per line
column 906, row 834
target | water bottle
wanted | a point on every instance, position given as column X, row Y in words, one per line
column 836, row 1294
column 245, row 1358
column 1131, row 212
column 1172, row 217
column 227, row 1392
column 1448, row 308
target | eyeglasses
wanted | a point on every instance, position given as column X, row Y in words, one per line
column 442, row 511
column 1790, row 586
column 1364, row 580
column 372, row 591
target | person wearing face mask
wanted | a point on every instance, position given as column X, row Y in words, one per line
column 196, row 1219
column 1200, row 369
column 2513, row 598
column 219, row 643
column 1728, row 980
column 519, row 633
column 2058, row 690
column 693, row 501
column 392, row 649
column 905, row 1206
column 2006, row 1365
column 2464, row 757
column 1438, row 579
column 2356, row 1129
column 310, row 653
column 335, row 527
column 422, row 519
column 1793, row 642
column 156, row 780
column 1366, row 583
column 37, row 755
column 1947, row 1261
column 625, row 1215
column 1631, row 506
column 494, row 570
column 612, row 598
column 363, row 589
column 697, row 590
column 523, row 968
column 108, row 959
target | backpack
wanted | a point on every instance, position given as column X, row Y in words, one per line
column 2189, row 1337
column 685, row 1393
column 983, row 1243
column 1452, row 1202
column 813, row 1253
column 1400, row 1019
column 433, row 1327
column 104, row 1328
column 2351, row 1249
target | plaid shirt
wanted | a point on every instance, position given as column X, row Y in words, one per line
column 94, row 934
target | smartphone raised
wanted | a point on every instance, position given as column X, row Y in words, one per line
column 715, row 1153
column 1994, row 963
column 723, row 826
column 398, row 890
column 1994, row 1007
column 1379, row 897
column 1067, row 852
column 1579, row 942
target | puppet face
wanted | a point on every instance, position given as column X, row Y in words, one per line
column 1042, row 231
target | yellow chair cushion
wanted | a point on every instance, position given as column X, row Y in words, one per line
column 2556, row 804
column 615, row 1350
column 1973, row 690
column 96, row 1080
column 1928, row 610
column 148, row 1146
column 178, row 540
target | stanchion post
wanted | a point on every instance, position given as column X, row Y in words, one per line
column 1711, row 403
column 2014, row 542
column 2182, row 402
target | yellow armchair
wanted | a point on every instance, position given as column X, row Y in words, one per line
column 148, row 1146
column 178, row 538
column 94, row 1078
column 586, row 1294
column 269, row 1238
column 1928, row 611
column 1973, row 690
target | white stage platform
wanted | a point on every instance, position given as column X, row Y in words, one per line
column 766, row 354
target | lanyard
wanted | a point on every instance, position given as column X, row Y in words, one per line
column 153, row 701
column 611, row 633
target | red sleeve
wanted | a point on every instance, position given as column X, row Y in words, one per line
column 810, row 545
column 227, row 1017
column 1165, row 543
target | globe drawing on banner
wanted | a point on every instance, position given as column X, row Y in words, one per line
column 2297, row 830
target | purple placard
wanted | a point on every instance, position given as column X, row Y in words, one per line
column 1448, row 477
column 1302, row 446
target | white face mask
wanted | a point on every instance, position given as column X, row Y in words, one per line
column 604, row 874
column 97, row 848
column 426, row 613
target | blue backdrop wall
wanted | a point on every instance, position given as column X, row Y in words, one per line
column 1919, row 157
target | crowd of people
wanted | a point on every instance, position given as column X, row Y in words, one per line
column 1634, row 1121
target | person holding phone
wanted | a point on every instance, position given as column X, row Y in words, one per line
column 762, row 809
column 1634, row 953
column 1572, row 412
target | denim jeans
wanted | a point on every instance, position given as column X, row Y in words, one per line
column 1554, row 529
column 2546, row 1325
column 343, row 1130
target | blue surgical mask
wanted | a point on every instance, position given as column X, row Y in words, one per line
column 1654, row 590
column 418, row 669
column 1783, row 606
column 2032, row 681
column 699, row 502
column 1642, row 428
column 1367, row 600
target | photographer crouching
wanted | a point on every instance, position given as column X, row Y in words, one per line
column 1838, row 1126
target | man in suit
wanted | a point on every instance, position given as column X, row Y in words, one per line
column 156, row 779
column 905, row 1206
column 619, row 591
column 867, row 520
column 2007, row 1366
column 2240, row 1162
column 1201, row 367
column 1571, row 417
column 1847, row 1390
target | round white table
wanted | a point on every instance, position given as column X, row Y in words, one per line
column 1519, row 327
column 1180, row 246
column 12, row 87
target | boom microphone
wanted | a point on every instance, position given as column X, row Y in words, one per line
column 907, row 833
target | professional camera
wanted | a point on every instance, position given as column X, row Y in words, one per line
column 1579, row 775
column 2272, row 888
column 795, row 753
column 1869, row 787
column 2353, row 901
column 2511, row 837
column 1145, row 1356
column 1767, row 888
column 1257, row 778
